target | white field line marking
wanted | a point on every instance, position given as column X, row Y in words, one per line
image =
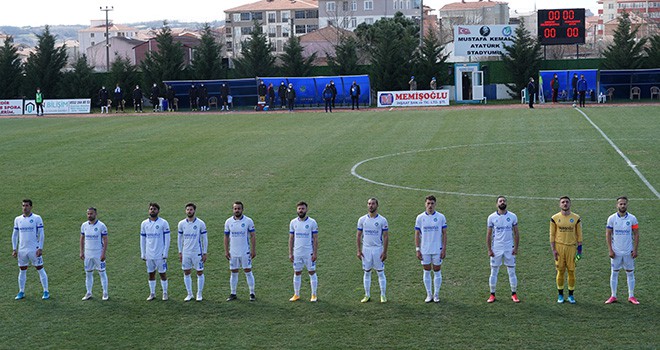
column 618, row 150
column 354, row 172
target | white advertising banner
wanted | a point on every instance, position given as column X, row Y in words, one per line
column 423, row 98
column 72, row 106
column 482, row 40
column 11, row 107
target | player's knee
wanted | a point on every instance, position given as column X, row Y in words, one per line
column 311, row 273
column 199, row 273
column 37, row 267
column 369, row 270
column 234, row 271
column 186, row 272
column 297, row 273
column 437, row 268
column 247, row 270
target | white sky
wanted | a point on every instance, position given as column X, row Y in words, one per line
column 41, row 12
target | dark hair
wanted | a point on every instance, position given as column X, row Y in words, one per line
column 239, row 203
column 154, row 204
column 28, row 200
column 301, row 203
column 430, row 197
column 564, row 197
column 498, row 198
column 373, row 199
column 623, row 197
column 92, row 208
column 191, row 204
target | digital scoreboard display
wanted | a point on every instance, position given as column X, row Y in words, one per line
column 561, row 27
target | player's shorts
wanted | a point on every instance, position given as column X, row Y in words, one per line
column 371, row 258
column 240, row 262
column 303, row 261
column 565, row 257
column 94, row 264
column 190, row 261
column 624, row 260
column 29, row 257
column 505, row 256
column 434, row 259
column 156, row 264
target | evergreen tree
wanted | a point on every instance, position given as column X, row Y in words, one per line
column 165, row 63
column 257, row 58
column 345, row 61
column 625, row 52
column 432, row 62
column 124, row 73
column 44, row 67
column 80, row 82
column 522, row 60
column 653, row 52
column 293, row 62
column 10, row 70
column 207, row 62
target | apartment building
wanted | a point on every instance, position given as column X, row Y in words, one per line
column 95, row 33
column 472, row 13
column 348, row 14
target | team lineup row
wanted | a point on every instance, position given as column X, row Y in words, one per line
column 502, row 238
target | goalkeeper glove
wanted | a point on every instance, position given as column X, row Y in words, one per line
column 578, row 256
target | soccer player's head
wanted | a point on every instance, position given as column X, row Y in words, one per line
column 565, row 203
column 237, row 207
column 154, row 209
column 91, row 214
column 501, row 203
column 27, row 206
column 301, row 208
column 372, row 205
column 622, row 204
column 430, row 201
column 191, row 208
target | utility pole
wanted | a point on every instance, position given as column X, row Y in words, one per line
column 107, row 36
column 421, row 23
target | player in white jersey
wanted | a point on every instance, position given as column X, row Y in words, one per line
column 93, row 245
column 502, row 239
column 154, row 248
column 27, row 241
column 431, row 246
column 193, row 244
column 372, row 241
column 240, row 249
column 303, row 248
column 622, row 234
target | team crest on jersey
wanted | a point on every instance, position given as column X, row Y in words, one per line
column 96, row 228
column 376, row 224
column 435, row 219
column 627, row 223
column 571, row 220
column 195, row 227
column 31, row 221
column 157, row 227
column 508, row 219
column 243, row 225
column 306, row 226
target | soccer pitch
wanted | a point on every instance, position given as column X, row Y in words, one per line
column 466, row 156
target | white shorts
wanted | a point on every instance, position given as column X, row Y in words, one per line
column 624, row 260
column 371, row 258
column 505, row 256
column 240, row 262
column 306, row 261
column 153, row 264
column 94, row 264
column 434, row 259
column 29, row 257
column 190, row 261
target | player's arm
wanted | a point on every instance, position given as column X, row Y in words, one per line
column 553, row 236
column 608, row 240
column 143, row 244
column 226, row 241
column 253, row 244
column 166, row 246
column 291, row 240
column 315, row 246
column 635, row 230
column 82, row 246
column 418, row 241
column 578, row 238
column 386, row 241
column 516, row 240
column 40, row 238
column 205, row 243
column 443, row 252
column 358, row 239
column 104, row 239
column 489, row 241
column 179, row 243
column 14, row 241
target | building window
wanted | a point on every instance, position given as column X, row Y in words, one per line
column 236, row 17
column 299, row 14
column 368, row 5
column 285, row 16
column 417, row 4
column 331, row 23
column 285, row 31
column 354, row 6
column 369, row 20
column 312, row 14
column 344, row 6
column 271, row 17
column 407, row 4
column 330, row 6
column 245, row 16
column 395, row 4
column 93, row 43
column 300, row 29
column 272, row 32
column 246, row 30
column 259, row 16
column 353, row 22
column 312, row 27
column 228, row 46
column 91, row 35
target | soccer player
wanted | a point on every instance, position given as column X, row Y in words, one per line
column 303, row 248
column 431, row 246
column 566, row 245
column 372, row 241
column 28, row 237
column 193, row 244
column 93, row 246
column 240, row 249
column 502, row 242
column 154, row 248
column 622, row 234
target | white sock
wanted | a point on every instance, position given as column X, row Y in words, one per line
column 233, row 282
column 187, row 281
column 427, row 281
column 631, row 283
column 492, row 280
column 296, row 284
column 22, row 276
column 367, row 283
column 89, row 281
column 163, row 284
column 152, row 286
column 614, row 282
column 249, row 277
column 200, row 284
column 313, row 282
column 104, row 281
column 44, row 279
column 437, row 282
column 513, row 279
column 382, row 282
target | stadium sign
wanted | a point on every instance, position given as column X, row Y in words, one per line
column 72, row 106
column 482, row 40
column 424, row 98
column 11, row 107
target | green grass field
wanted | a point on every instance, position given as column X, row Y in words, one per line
column 465, row 156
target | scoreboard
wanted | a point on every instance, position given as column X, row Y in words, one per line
column 561, row 27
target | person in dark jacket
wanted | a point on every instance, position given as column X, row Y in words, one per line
column 355, row 95
column 531, row 91
column 271, row 95
column 224, row 96
column 192, row 94
column 574, row 86
column 262, row 90
column 169, row 95
column 137, row 99
column 118, row 99
column 155, row 93
column 582, row 89
column 290, row 97
column 554, row 85
column 281, row 92
column 104, row 95
column 203, row 98
column 327, row 97
column 333, row 88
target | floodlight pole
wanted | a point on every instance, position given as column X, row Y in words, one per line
column 421, row 23
column 107, row 37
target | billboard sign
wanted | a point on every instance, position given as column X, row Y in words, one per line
column 423, row 98
column 484, row 40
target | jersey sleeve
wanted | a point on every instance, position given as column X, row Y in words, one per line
column 315, row 227
column 82, row 229
column 227, row 227
column 578, row 230
column 251, row 226
column 14, row 235
column 418, row 223
column 553, row 230
column 610, row 222
column 143, row 240
column 360, row 224
column 385, row 226
column 167, row 238
column 514, row 220
column 179, row 237
column 444, row 221
column 291, row 228
column 104, row 230
column 633, row 223
column 40, row 233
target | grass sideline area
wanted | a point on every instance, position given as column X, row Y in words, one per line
column 270, row 161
